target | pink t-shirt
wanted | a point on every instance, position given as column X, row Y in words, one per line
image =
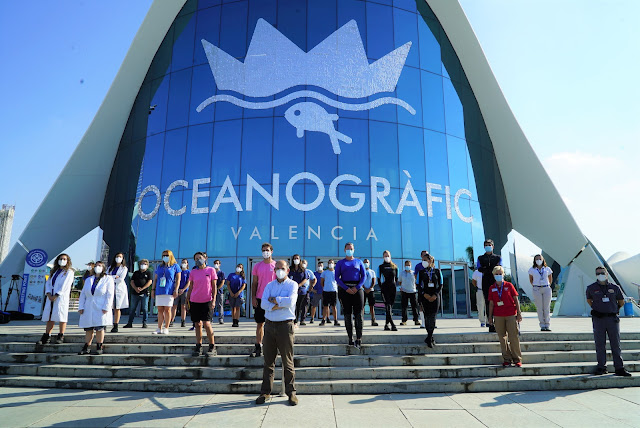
column 266, row 272
column 201, row 292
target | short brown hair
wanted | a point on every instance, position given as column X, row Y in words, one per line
column 269, row 246
column 143, row 261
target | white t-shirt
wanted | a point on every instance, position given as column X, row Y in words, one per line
column 477, row 275
column 407, row 281
column 540, row 276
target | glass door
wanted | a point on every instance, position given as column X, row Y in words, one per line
column 455, row 297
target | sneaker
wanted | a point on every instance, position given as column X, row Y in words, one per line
column 182, row 324
column 293, row 400
column 358, row 343
column 374, row 324
column 128, row 326
column 257, row 351
column 506, row 364
column 59, row 339
column 84, row 350
column 44, row 339
column 386, row 327
column 262, row 398
column 433, row 341
column 351, row 342
column 393, row 327
column 429, row 341
column 622, row 372
column 221, row 321
column 197, row 351
column 417, row 323
column 171, row 324
column 165, row 331
column 336, row 323
column 601, row 371
column 548, row 329
column 492, row 329
column 115, row 328
column 192, row 328
column 212, row 352
column 303, row 323
column 519, row 364
column 323, row 322
column 144, row 325
column 482, row 325
column 403, row 323
column 158, row 331
column 97, row 351
column 310, row 321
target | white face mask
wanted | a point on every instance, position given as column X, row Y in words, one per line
column 602, row 277
column 238, row 269
column 296, row 262
column 165, row 259
column 366, row 265
column 387, row 259
column 217, row 266
column 331, row 265
column 425, row 264
column 266, row 254
column 498, row 278
column 118, row 260
column 407, row 268
column 281, row 273
column 304, row 267
column 62, row 262
column 97, row 270
column 320, row 268
column 185, row 266
column 143, row 267
column 539, row 262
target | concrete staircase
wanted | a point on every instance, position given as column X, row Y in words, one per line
column 324, row 364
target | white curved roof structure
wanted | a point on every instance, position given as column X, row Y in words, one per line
column 554, row 230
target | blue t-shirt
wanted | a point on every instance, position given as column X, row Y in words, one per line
column 330, row 283
column 235, row 282
column 318, row 286
column 169, row 274
column 371, row 274
column 220, row 281
column 300, row 275
column 184, row 278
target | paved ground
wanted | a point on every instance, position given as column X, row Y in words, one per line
column 21, row 407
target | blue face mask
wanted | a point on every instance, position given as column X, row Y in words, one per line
column 349, row 253
column 498, row 278
column 488, row 249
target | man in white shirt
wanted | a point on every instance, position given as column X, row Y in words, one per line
column 409, row 294
column 279, row 303
column 476, row 280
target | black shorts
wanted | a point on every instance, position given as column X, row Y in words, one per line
column 201, row 311
column 258, row 313
column 329, row 298
column 370, row 298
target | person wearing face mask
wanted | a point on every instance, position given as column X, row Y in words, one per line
column 118, row 270
column 140, row 282
column 298, row 274
column 388, row 274
column 486, row 263
column 329, row 293
column 606, row 299
column 279, row 302
column 202, row 296
column 504, row 313
column 165, row 290
column 476, row 280
column 408, row 294
column 181, row 300
column 316, row 291
column 429, row 287
column 261, row 274
column 369, row 293
column 57, row 294
column 236, row 284
column 94, row 307
column 350, row 276
column 311, row 281
column 541, row 277
column 220, row 285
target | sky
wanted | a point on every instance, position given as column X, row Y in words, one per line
column 569, row 70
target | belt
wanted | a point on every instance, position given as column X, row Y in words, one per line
column 541, row 286
column 279, row 322
column 351, row 283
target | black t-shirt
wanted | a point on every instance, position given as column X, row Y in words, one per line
column 486, row 263
column 140, row 279
column 388, row 275
column 425, row 277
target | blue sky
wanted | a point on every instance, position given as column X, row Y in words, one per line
column 569, row 70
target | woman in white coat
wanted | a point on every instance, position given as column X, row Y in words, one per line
column 118, row 270
column 94, row 306
column 58, row 292
column 541, row 278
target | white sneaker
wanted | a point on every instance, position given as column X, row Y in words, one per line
column 158, row 331
column 165, row 331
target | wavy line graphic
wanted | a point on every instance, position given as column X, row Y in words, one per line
column 305, row 94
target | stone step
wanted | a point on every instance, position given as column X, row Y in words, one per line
column 349, row 386
column 332, row 337
column 392, row 373
column 354, row 360
column 322, row 349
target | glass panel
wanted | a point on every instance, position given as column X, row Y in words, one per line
column 179, row 94
column 447, row 289
column 184, row 40
column 461, row 290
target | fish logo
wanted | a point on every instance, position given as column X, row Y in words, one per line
column 339, row 64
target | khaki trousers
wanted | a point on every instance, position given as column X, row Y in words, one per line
column 507, row 329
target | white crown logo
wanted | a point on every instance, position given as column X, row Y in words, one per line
column 338, row 64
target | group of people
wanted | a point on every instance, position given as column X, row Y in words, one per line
column 281, row 295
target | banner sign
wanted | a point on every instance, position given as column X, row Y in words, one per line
column 33, row 282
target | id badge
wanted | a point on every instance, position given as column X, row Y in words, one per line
column 500, row 303
column 431, row 285
column 605, row 300
column 163, row 282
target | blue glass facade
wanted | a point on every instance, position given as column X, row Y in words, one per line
column 419, row 172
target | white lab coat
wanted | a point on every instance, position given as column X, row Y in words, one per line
column 94, row 304
column 60, row 310
column 121, row 288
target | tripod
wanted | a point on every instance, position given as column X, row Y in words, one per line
column 13, row 285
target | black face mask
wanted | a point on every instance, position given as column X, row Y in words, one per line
column 200, row 262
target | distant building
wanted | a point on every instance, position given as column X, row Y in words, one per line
column 6, row 224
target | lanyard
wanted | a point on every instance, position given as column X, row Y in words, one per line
column 541, row 272
column 430, row 273
column 55, row 276
column 114, row 270
column 94, row 285
column 500, row 290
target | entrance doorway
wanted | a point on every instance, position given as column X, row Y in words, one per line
column 455, row 298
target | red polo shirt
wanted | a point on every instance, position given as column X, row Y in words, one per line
column 508, row 308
